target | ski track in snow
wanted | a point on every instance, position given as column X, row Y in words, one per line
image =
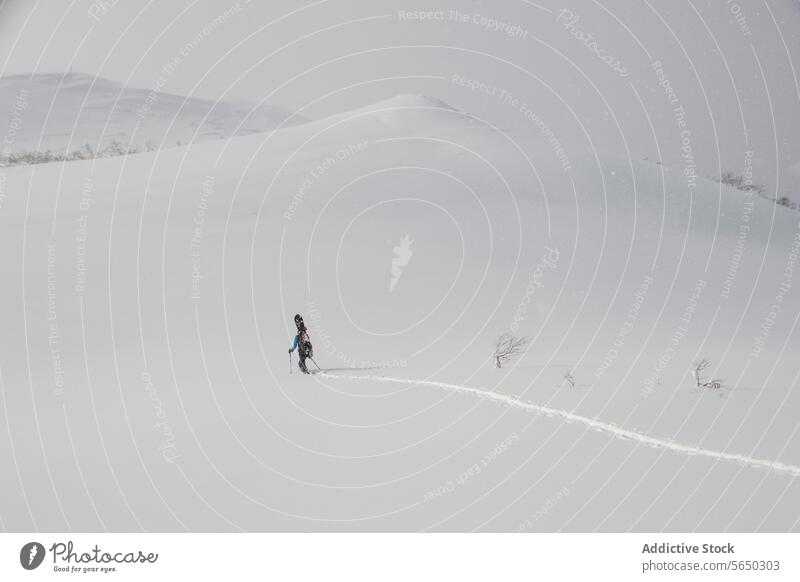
column 614, row 430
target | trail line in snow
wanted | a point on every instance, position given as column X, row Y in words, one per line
column 612, row 429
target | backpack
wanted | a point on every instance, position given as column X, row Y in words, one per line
column 305, row 344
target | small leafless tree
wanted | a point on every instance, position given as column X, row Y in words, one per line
column 698, row 368
column 507, row 346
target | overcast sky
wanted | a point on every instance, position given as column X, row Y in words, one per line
column 733, row 67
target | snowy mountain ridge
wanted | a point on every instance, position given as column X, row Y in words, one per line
column 67, row 112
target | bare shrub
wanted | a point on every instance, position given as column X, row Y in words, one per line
column 86, row 152
column 698, row 369
column 508, row 346
column 741, row 183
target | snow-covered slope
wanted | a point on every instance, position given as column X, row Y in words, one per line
column 67, row 112
column 148, row 311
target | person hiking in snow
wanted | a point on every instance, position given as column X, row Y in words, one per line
column 302, row 344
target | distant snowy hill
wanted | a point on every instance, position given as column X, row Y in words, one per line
column 67, row 112
column 147, row 312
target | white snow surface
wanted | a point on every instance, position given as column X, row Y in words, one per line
column 147, row 312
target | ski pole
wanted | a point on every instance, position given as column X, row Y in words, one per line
column 290, row 363
column 316, row 364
